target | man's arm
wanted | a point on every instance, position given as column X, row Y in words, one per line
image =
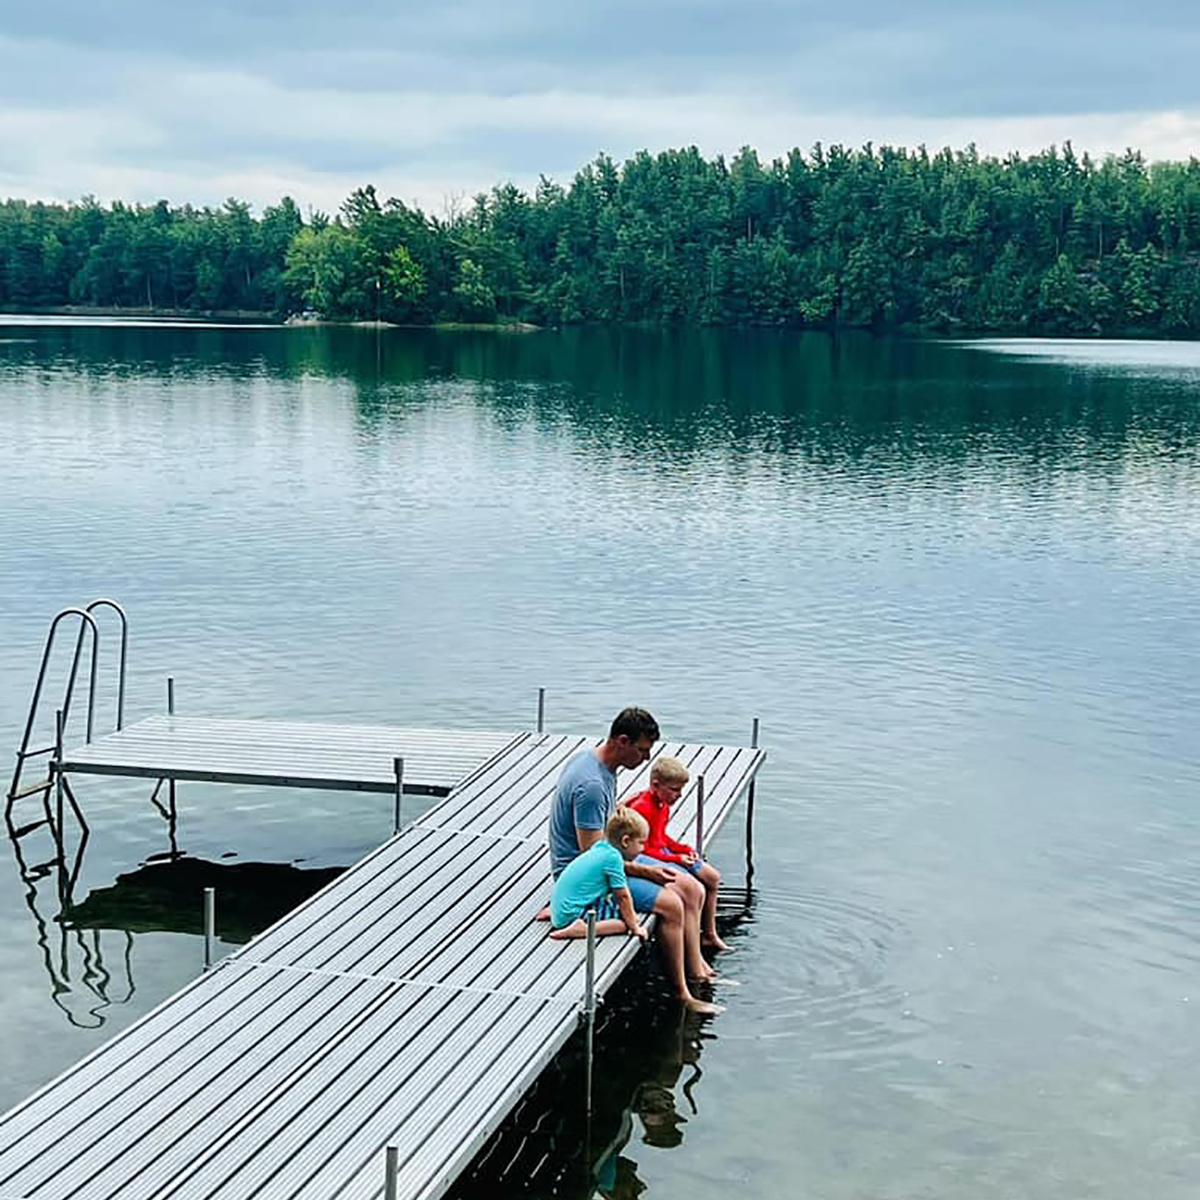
column 587, row 838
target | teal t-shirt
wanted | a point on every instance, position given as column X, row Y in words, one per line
column 585, row 881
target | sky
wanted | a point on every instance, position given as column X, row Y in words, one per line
column 141, row 100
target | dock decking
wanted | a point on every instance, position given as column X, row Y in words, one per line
column 409, row 1003
column 289, row 754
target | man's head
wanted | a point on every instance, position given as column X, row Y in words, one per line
column 631, row 737
column 627, row 830
column 668, row 778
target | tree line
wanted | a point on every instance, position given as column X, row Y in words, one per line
column 871, row 237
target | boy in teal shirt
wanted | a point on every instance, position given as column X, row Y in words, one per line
column 596, row 879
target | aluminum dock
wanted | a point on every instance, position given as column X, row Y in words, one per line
column 408, row 1005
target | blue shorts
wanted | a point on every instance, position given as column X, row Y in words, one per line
column 642, row 891
column 694, row 869
column 606, row 908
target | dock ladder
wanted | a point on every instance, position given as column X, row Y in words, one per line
column 87, row 626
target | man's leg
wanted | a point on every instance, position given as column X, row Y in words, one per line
column 691, row 893
column 672, row 917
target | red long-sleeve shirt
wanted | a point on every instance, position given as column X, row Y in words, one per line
column 659, row 844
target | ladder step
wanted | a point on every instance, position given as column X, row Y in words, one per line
column 24, row 829
column 30, row 788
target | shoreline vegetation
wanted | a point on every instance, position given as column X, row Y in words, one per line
column 883, row 238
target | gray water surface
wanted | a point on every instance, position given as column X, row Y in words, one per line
column 956, row 581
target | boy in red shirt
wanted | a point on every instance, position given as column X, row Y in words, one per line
column 668, row 777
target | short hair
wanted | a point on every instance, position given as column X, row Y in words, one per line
column 668, row 770
column 626, row 822
column 635, row 724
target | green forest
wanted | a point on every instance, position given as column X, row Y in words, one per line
column 874, row 237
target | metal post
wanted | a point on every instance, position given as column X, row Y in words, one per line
column 750, row 814
column 541, row 725
column 210, row 924
column 391, row 1179
column 171, row 782
column 59, row 722
column 589, row 1004
column 398, row 767
column 699, row 816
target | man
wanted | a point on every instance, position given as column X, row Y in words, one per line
column 586, row 795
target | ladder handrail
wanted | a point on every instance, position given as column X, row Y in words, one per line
column 95, row 658
column 104, row 602
column 87, row 621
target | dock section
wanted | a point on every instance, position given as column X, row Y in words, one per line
column 289, row 754
column 410, row 1003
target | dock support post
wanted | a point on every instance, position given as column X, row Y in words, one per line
column 699, row 816
column 398, row 768
column 58, row 773
column 171, row 713
column 589, row 1001
column 750, row 815
column 210, row 924
column 541, row 722
column 391, row 1178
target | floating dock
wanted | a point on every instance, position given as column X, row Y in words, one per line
column 407, row 1005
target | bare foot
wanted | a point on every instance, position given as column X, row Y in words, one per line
column 702, row 1006
column 708, row 976
column 721, row 981
column 712, row 941
column 543, row 914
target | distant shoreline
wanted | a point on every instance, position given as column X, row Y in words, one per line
column 228, row 318
column 145, row 312
column 252, row 317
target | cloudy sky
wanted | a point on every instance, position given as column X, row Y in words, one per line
column 142, row 99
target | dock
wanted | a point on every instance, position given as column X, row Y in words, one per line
column 288, row 754
column 408, row 1005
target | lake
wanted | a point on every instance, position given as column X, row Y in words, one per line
column 955, row 580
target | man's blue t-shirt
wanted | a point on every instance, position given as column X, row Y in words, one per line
column 587, row 790
column 585, row 881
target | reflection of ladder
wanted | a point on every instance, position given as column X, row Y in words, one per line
column 87, row 625
column 80, row 982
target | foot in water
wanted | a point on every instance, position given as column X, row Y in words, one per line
column 703, row 1007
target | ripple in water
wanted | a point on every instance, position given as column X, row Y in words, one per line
column 821, row 965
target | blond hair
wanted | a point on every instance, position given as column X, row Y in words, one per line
column 668, row 770
column 625, row 822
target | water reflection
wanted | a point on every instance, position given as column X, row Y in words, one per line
column 647, row 1074
column 82, row 986
column 162, row 895
column 680, row 391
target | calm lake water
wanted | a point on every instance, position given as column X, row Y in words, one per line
column 956, row 581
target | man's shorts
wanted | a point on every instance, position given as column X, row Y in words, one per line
column 642, row 891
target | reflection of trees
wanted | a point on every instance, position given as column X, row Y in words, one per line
column 821, row 397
